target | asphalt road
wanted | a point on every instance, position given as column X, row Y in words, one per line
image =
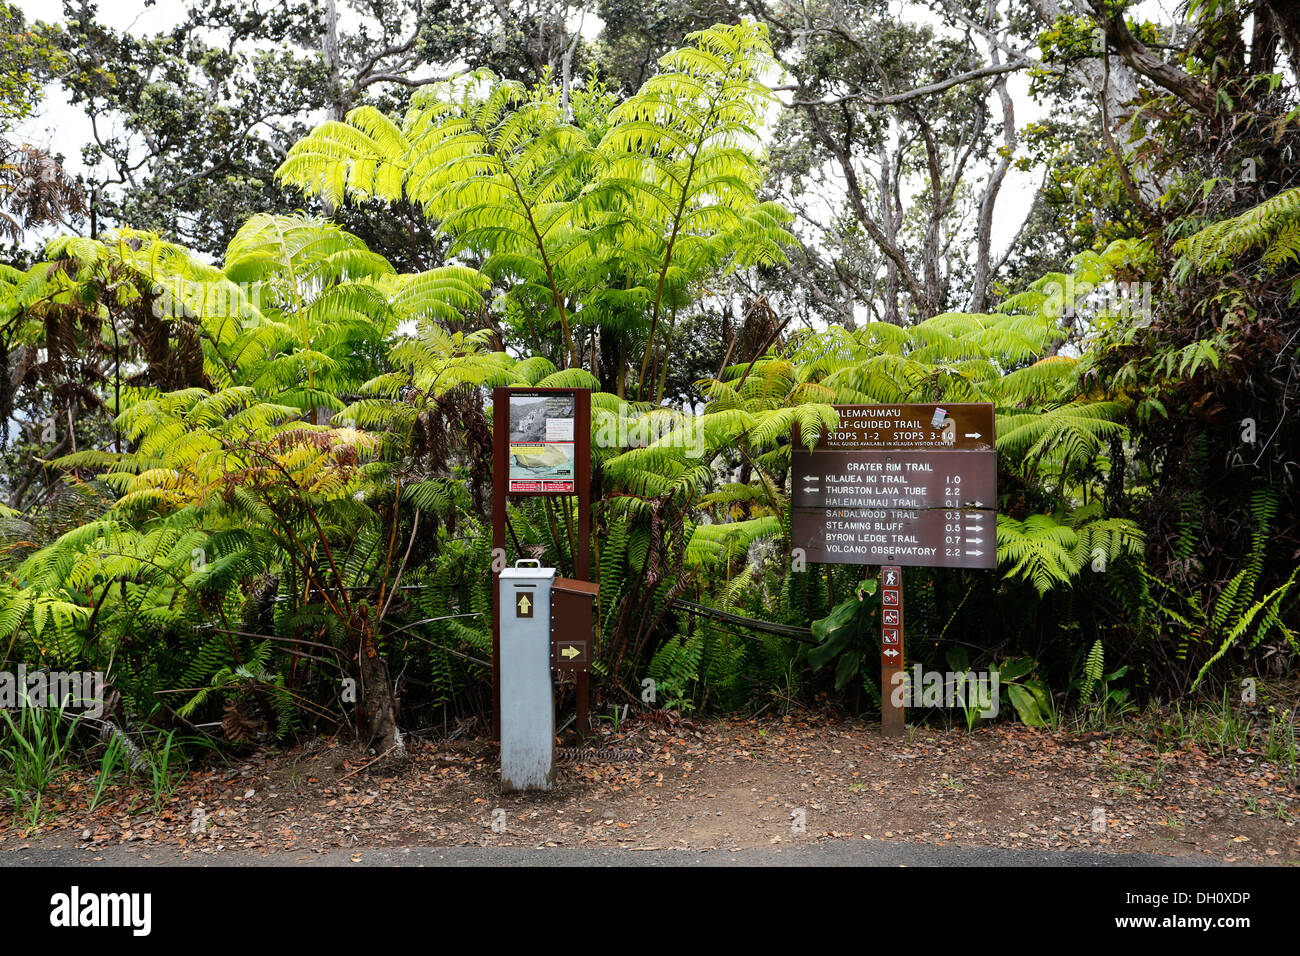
column 837, row 853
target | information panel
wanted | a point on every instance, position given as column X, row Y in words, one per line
column 542, row 447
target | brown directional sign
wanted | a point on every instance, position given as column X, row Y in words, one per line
column 933, row 538
column 951, row 427
column 904, row 484
column 896, row 485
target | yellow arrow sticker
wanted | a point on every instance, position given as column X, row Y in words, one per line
column 523, row 606
column 570, row 652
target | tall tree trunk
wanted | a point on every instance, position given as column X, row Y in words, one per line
column 890, row 224
column 330, row 51
column 984, row 230
column 1284, row 17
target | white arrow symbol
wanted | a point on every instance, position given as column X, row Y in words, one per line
column 974, row 552
column 975, row 540
column 972, row 434
column 891, row 653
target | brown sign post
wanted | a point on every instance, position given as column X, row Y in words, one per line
column 541, row 444
column 891, row 648
column 895, row 485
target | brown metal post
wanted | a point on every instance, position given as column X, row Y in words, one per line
column 500, row 477
column 582, row 547
column 892, row 722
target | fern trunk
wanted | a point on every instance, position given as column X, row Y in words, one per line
column 379, row 705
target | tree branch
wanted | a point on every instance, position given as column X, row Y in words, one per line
column 1139, row 58
column 907, row 96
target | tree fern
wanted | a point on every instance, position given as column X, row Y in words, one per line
column 1273, row 225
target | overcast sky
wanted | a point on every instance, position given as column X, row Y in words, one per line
column 60, row 128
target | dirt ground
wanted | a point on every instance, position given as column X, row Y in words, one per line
column 665, row 782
